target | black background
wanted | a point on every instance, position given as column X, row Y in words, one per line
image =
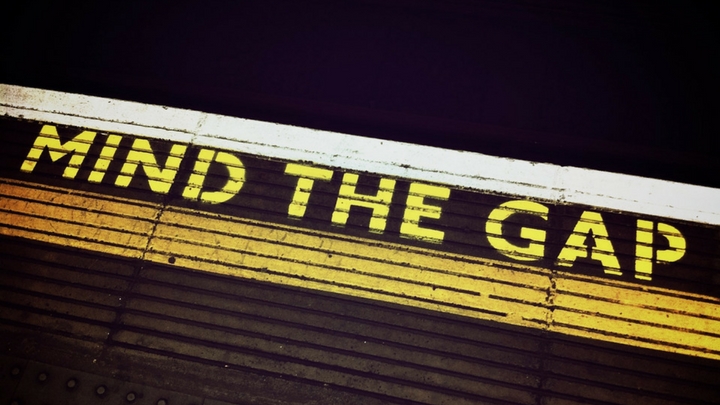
column 621, row 86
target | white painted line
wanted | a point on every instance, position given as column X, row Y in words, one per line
column 102, row 109
column 97, row 124
column 422, row 163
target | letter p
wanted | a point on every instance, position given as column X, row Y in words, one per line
column 644, row 250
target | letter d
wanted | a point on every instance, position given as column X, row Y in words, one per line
column 235, row 181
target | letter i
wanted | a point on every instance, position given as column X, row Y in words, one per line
column 106, row 156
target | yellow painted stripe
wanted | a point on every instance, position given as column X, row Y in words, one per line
column 89, row 221
column 514, row 294
column 341, row 272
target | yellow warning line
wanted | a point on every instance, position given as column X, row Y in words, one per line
column 513, row 294
column 62, row 216
column 271, row 261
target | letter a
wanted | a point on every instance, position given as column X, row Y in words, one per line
column 603, row 250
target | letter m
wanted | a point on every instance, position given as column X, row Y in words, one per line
column 48, row 138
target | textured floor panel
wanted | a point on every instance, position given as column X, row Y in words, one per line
column 365, row 349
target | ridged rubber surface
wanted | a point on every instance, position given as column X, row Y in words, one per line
column 326, row 346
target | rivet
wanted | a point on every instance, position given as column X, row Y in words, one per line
column 71, row 383
column 171, row 260
column 42, row 377
column 15, row 371
column 130, row 397
column 162, row 401
column 101, row 390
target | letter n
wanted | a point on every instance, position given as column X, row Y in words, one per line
column 159, row 178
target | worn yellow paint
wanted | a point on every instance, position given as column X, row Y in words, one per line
column 306, row 178
column 248, row 248
column 416, row 208
column 629, row 332
column 49, row 139
column 622, row 313
column 233, row 184
column 106, row 156
column 535, row 250
column 378, row 203
column 575, row 246
column 83, row 220
column 643, row 249
column 676, row 244
column 159, row 178
column 645, row 297
column 533, row 297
